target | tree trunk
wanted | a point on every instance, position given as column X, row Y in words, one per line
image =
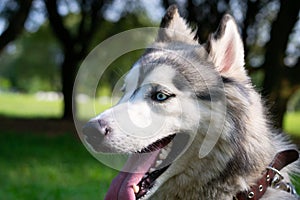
column 68, row 74
column 274, row 67
column 280, row 108
column 281, row 97
column 75, row 44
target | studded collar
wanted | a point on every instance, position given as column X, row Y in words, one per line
column 271, row 177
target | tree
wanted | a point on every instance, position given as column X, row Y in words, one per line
column 280, row 81
column 75, row 42
column 15, row 13
column 23, row 64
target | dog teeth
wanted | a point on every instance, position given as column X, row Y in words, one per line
column 158, row 162
column 165, row 152
column 136, row 188
column 151, row 170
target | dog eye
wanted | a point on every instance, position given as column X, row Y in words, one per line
column 160, row 96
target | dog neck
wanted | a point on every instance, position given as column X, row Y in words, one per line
column 219, row 188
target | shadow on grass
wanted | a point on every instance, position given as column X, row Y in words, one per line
column 37, row 125
column 43, row 166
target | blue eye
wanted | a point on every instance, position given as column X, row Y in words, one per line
column 161, row 96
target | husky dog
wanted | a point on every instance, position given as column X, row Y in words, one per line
column 192, row 123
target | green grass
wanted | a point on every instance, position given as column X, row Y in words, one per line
column 26, row 105
column 29, row 106
column 292, row 123
column 49, row 167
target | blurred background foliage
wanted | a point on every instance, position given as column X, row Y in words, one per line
column 31, row 63
column 43, row 43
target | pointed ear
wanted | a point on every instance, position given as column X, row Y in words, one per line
column 226, row 49
column 174, row 28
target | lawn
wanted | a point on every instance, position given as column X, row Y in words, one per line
column 32, row 106
column 39, row 166
column 292, row 123
column 26, row 105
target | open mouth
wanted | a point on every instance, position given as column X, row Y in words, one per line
column 145, row 167
column 149, row 178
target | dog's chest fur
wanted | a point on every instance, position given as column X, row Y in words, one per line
column 183, row 186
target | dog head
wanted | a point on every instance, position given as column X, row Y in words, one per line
column 173, row 96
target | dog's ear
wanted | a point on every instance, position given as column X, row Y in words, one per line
column 174, row 28
column 226, row 49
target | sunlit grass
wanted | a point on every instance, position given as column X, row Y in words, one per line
column 30, row 106
column 92, row 107
column 26, row 105
column 44, row 167
column 292, row 123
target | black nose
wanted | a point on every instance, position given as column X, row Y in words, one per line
column 104, row 128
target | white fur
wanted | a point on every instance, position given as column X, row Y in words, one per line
column 228, row 52
column 133, row 120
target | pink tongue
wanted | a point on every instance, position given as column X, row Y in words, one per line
column 133, row 171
